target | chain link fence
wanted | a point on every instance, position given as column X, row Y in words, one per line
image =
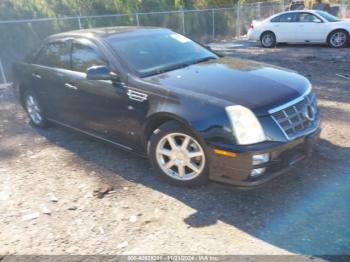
column 19, row 37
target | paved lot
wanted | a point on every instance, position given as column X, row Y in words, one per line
column 305, row 211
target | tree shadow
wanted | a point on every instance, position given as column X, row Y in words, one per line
column 304, row 211
column 7, row 153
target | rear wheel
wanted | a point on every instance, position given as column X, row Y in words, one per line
column 338, row 39
column 178, row 156
column 34, row 109
column 268, row 40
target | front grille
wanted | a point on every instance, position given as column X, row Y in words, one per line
column 299, row 118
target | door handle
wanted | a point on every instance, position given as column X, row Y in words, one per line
column 70, row 86
column 36, row 75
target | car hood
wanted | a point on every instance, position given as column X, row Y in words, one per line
column 257, row 86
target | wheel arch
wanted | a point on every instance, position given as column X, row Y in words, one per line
column 337, row 29
column 267, row 31
column 22, row 88
column 159, row 118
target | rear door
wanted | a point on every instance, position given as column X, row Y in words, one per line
column 48, row 77
column 310, row 28
column 285, row 27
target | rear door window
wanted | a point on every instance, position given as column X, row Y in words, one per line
column 84, row 56
column 56, row 55
column 285, row 18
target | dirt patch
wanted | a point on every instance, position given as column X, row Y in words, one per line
column 48, row 180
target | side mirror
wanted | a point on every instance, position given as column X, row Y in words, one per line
column 101, row 73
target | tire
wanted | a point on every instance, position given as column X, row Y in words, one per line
column 338, row 39
column 34, row 109
column 177, row 166
column 268, row 40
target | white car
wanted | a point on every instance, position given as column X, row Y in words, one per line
column 301, row 26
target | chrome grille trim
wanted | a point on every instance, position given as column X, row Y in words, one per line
column 290, row 103
column 292, row 118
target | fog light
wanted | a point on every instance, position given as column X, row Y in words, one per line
column 257, row 172
column 260, row 159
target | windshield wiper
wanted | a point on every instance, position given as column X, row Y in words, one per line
column 178, row 66
column 167, row 69
column 204, row 59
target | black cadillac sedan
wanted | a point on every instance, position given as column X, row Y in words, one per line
column 196, row 115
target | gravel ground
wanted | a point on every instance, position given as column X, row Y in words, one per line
column 48, row 178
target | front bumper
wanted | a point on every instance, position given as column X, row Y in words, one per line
column 283, row 156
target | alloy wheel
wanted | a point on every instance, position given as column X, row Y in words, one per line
column 180, row 156
column 33, row 109
column 267, row 40
column 338, row 39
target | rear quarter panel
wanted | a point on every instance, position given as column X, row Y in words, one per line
column 22, row 78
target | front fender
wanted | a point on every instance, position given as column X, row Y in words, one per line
column 204, row 117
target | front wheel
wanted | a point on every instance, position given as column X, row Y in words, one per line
column 338, row 39
column 268, row 40
column 178, row 156
column 34, row 109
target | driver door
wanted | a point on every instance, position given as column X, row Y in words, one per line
column 310, row 28
column 100, row 106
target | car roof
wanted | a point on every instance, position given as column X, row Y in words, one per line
column 312, row 11
column 104, row 32
column 299, row 11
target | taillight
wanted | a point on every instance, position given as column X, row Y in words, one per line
column 251, row 26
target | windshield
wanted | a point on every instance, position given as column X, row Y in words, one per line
column 155, row 53
column 328, row 17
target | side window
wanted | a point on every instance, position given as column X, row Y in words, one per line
column 276, row 19
column 55, row 55
column 285, row 18
column 308, row 18
column 84, row 57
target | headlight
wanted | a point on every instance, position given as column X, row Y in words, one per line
column 245, row 126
